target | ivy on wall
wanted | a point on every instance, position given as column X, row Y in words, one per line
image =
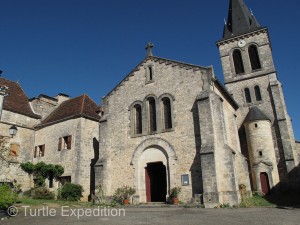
column 41, row 171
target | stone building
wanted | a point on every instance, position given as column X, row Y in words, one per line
column 169, row 124
column 179, row 126
column 56, row 130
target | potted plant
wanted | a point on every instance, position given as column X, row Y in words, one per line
column 123, row 194
column 127, row 193
column 174, row 192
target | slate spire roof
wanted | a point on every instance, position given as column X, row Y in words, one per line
column 240, row 20
column 255, row 114
column 81, row 106
column 16, row 101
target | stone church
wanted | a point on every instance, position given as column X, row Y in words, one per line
column 167, row 124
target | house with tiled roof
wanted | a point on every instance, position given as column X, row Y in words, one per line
column 55, row 130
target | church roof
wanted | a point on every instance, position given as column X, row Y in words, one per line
column 240, row 20
column 255, row 115
column 81, row 106
column 159, row 60
column 16, row 101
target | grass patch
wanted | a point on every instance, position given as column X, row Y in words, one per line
column 255, row 201
column 34, row 202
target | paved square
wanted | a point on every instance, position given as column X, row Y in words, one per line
column 174, row 216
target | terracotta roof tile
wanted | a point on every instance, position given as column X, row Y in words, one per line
column 81, row 106
column 16, row 101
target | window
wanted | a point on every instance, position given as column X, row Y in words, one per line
column 150, row 73
column 138, row 119
column 51, row 179
column 247, row 95
column 152, row 114
column 39, row 151
column 238, row 62
column 167, row 113
column 257, row 93
column 254, row 57
column 64, row 143
column 64, row 180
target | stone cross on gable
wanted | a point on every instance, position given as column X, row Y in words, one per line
column 149, row 49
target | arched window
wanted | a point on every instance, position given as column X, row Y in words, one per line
column 257, row 93
column 167, row 113
column 254, row 57
column 238, row 62
column 152, row 114
column 247, row 95
column 138, row 119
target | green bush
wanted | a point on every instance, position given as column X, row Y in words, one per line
column 71, row 192
column 7, row 196
column 42, row 193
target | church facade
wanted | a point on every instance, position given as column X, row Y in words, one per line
column 173, row 124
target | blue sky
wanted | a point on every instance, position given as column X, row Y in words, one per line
column 88, row 46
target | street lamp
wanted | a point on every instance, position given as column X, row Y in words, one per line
column 13, row 130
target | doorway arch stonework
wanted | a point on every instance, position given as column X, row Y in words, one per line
column 149, row 151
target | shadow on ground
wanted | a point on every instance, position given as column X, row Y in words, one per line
column 287, row 194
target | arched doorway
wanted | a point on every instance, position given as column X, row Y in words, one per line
column 153, row 162
column 156, row 182
column 264, row 181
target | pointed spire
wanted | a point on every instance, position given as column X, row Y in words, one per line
column 240, row 19
column 149, row 49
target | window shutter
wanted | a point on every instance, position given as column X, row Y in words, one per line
column 43, row 150
column 59, row 144
column 69, row 142
column 35, row 151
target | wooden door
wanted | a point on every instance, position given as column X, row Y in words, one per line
column 148, row 185
column 264, row 181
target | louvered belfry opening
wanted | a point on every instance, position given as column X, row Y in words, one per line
column 254, row 57
column 238, row 62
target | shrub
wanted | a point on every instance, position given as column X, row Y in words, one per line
column 29, row 193
column 7, row 196
column 42, row 193
column 71, row 192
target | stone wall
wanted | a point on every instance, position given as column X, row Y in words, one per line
column 298, row 151
column 118, row 146
column 22, row 143
column 261, row 40
column 272, row 103
column 43, row 106
column 76, row 161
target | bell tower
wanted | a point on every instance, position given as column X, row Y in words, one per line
column 250, row 77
